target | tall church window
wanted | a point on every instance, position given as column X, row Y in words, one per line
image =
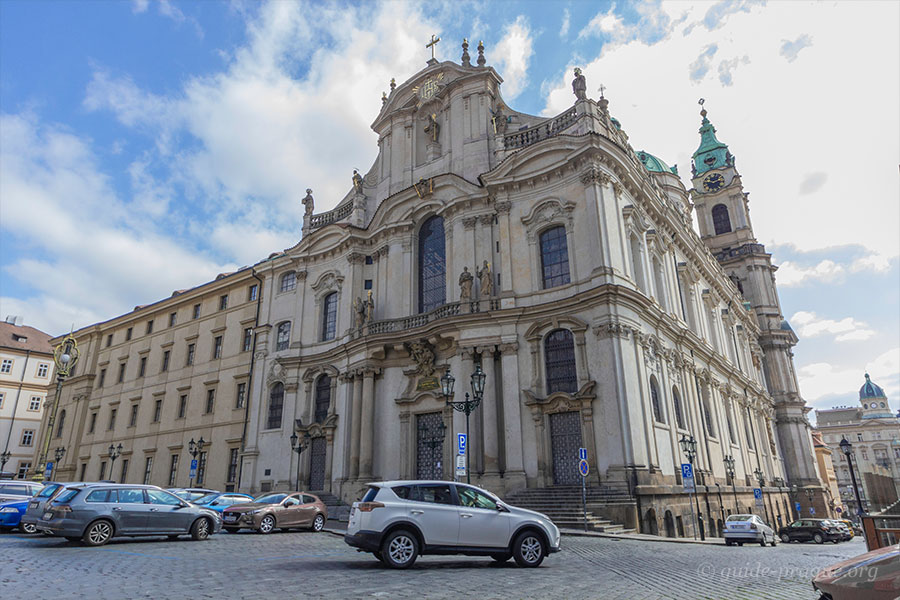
column 276, row 406
column 679, row 412
column 329, row 316
column 283, row 336
column 655, row 401
column 554, row 257
column 61, row 423
column 637, row 263
column 323, row 398
column 432, row 265
column 660, row 284
column 721, row 220
column 559, row 362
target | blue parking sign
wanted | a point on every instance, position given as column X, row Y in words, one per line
column 461, row 443
column 687, row 471
column 48, row 470
column 582, row 454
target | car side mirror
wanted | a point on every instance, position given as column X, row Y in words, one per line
column 501, row 508
column 215, row 503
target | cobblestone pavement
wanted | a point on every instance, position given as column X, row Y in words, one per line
column 320, row 565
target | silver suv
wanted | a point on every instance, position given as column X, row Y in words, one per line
column 399, row 520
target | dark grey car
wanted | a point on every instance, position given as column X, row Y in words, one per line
column 38, row 504
column 95, row 513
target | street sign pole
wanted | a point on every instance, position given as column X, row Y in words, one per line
column 687, row 474
column 583, row 469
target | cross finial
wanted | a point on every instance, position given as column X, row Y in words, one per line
column 701, row 102
column 431, row 44
column 602, row 89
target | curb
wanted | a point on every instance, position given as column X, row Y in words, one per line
column 634, row 538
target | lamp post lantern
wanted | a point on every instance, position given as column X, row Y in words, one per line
column 65, row 355
column 58, row 455
column 466, row 406
column 4, row 458
column 847, row 448
column 194, row 449
column 114, row 453
column 298, row 447
column 729, row 470
column 689, row 447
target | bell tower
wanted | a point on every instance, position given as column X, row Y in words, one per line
column 723, row 215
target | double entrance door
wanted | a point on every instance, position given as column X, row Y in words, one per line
column 317, row 464
column 565, row 440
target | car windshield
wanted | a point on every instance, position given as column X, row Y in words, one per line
column 271, row 499
column 48, row 490
column 739, row 518
column 67, row 495
column 206, row 499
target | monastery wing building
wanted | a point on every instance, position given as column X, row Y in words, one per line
column 559, row 261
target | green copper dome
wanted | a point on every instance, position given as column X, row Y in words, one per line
column 654, row 164
column 870, row 390
column 712, row 154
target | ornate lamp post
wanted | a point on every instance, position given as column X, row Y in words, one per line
column 689, row 447
column 4, row 458
column 114, row 453
column 65, row 355
column 298, row 447
column 729, row 470
column 792, row 492
column 194, row 449
column 58, row 455
column 762, row 481
column 779, row 483
column 434, row 440
column 847, row 448
column 466, row 406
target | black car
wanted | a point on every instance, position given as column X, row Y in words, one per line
column 816, row 530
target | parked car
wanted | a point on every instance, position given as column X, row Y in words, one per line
column 11, row 516
column 853, row 527
column 804, row 530
column 191, row 494
column 281, row 510
column 846, row 533
column 874, row 575
column 38, row 504
column 219, row 501
column 399, row 520
column 18, row 489
column 748, row 528
column 95, row 513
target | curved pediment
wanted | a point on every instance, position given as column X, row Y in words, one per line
column 323, row 240
column 429, row 196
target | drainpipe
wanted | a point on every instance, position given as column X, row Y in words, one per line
column 249, row 380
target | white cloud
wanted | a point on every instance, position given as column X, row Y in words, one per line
column 566, row 21
column 791, row 273
column 512, row 57
column 820, row 380
column 807, row 324
column 790, row 49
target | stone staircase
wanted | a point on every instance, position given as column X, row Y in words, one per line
column 336, row 509
column 608, row 507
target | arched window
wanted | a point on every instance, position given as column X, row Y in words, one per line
column 283, row 336
column 679, row 414
column 748, row 430
column 61, row 423
column 554, row 257
column 559, row 362
column 288, row 282
column 707, row 416
column 276, row 406
column 432, row 265
column 721, row 221
column 323, row 398
column 329, row 316
column 659, row 282
column 655, row 401
column 637, row 263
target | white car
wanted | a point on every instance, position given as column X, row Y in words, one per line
column 748, row 528
column 399, row 520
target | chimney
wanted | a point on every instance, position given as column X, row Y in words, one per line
column 14, row 320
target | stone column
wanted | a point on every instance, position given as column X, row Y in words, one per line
column 467, row 367
column 512, row 416
column 367, row 424
column 355, row 426
column 490, row 443
column 505, row 260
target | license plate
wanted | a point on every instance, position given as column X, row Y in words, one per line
column 48, row 516
column 32, row 505
column 230, row 518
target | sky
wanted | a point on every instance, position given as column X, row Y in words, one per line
column 147, row 146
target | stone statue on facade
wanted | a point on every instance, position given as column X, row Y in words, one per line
column 486, row 279
column 357, row 182
column 499, row 120
column 308, row 204
column 579, row 85
column 359, row 312
column 433, row 128
column 370, row 307
column 423, row 356
column 465, row 285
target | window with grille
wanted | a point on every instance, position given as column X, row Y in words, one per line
column 232, row 464
column 6, row 366
column 34, row 404
column 559, row 362
column 148, row 469
column 323, row 398
column 432, row 265
column 655, row 401
column 283, row 336
column 721, row 220
column 27, row 437
column 288, row 282
column 276, row 406
column 679, row 414
column 329, row 316
column 43, row 369
column 554, row 257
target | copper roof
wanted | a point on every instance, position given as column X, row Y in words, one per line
column 35, row 340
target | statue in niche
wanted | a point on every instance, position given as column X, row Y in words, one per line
column 357, row 182
column 359, row 311
column 423, row 356
column 370, row 307
column 433, row 128
column 499, row 120
column 465, row 285
column 579, row 85
column 308, row 204
column 486, row 279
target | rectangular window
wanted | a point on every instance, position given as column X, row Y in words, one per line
column 369, row 260
column 83, row 471
column 201, row 468
column 367, row 284
column 22, row 472
column 93, row 424
column 157, row 410
column 173, row 469
column 27, row 437
column 149, row 327
column 182, row 406
column 6, row 366
column 108, row 344
column 232, row 465
column 2, row 397
column 121, row 377
column 241, row 395
column 252, row 293
column 34, row 404
column 196, row 313
column 217, row 347
column 223, row 302
column 173, row 318
column 859, row 437
column 43, row 369
column 102, row 379
column 128, row 334
column 143, row 367
column 124, row 470
column 210, row 400
column 148, row 468
column 190, row 355
column 165, row 361
column 248, row 340
column 134, row 411
column 112, row 420
column 102, row 475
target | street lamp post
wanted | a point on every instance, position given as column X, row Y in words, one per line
column 298, row 447
column 792, row 492
column 762, row 481
column 729, row 470
column 434, row 440
column 194, row 449
column 4, row 458
column 114, row 453
column 847, row 449
column 689, row 447
column 779, row 483
column 65, row 355
column 809, row 496
column 58, row 455
column 466, row 406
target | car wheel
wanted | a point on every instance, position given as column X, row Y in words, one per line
column 200, row 529
column 835, row 541
column 232, row 529
column 773, row 541
column 741, row 544
column 267, row 524
column 501, row 558
column 29, row 528
column 528, row 549
column 97, row 533
column 318, row 523
column 400, row 549
column 785, row 538
column 818, row 538
column 762, row 542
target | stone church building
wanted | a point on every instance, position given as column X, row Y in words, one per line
column 559, row 261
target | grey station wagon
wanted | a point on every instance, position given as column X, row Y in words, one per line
column 95, row 513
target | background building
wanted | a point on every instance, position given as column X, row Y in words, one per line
column 26, row 378
column 825, row 465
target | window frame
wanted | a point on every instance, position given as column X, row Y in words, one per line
column 283, row 336
column 272, row 406
column 560, row 232
column 329, row 316
column 556, row 383
column 717, row 218
column 287, row 282
column 431, row 284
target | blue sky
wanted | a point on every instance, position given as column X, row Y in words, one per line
column 147, row 146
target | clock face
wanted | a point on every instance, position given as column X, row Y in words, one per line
column 713, row 182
